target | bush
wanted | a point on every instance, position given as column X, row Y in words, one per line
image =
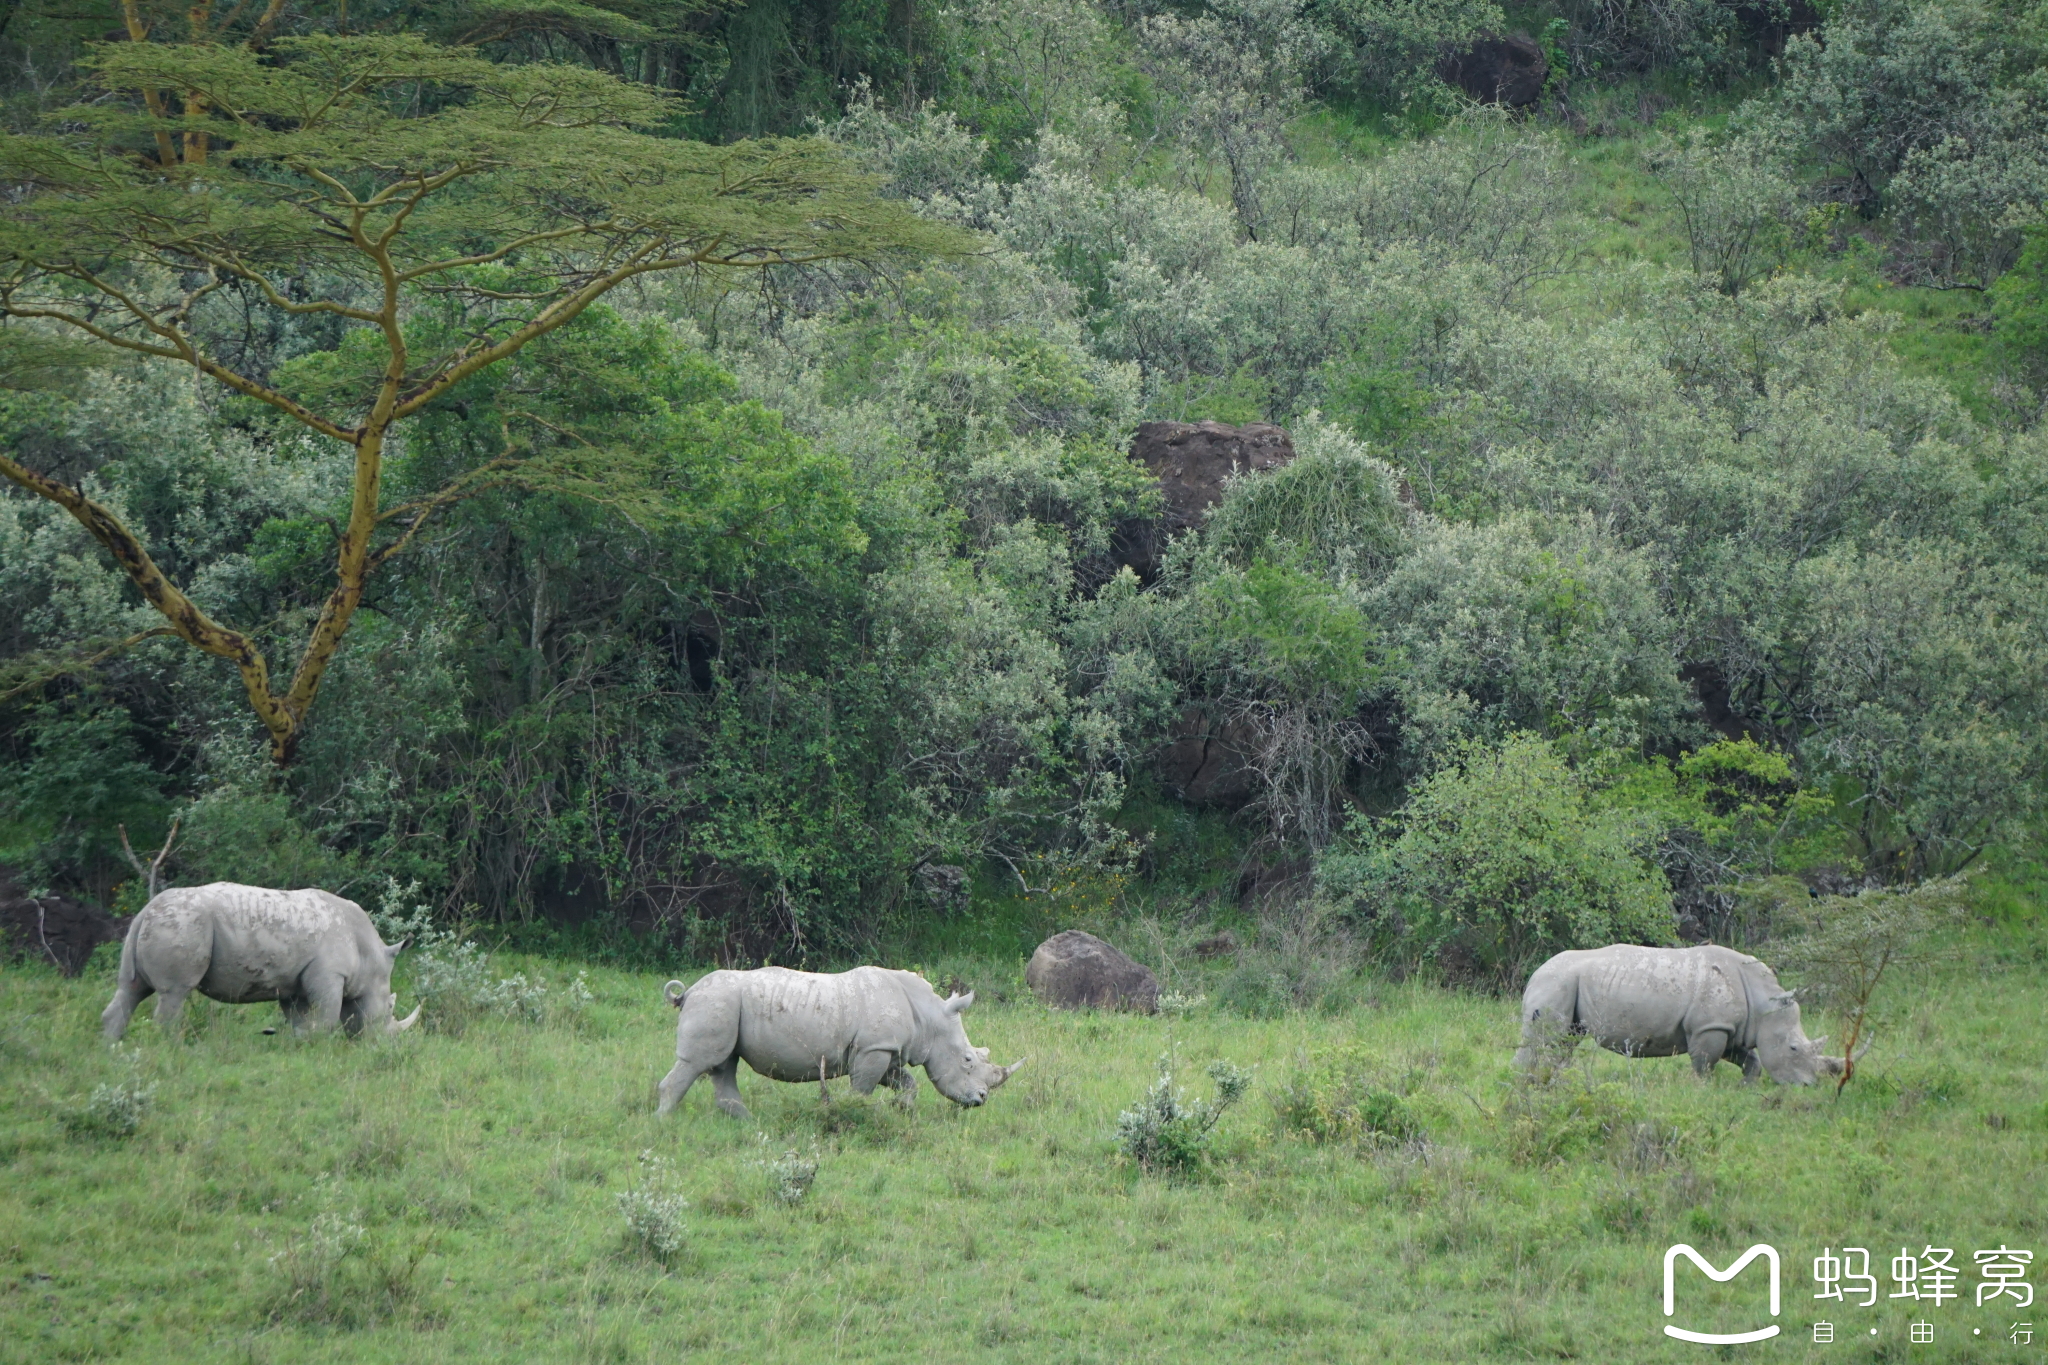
column 1502, row 861
column 1545, row 1122
column 116, row 1108
column 790, row 1175
column 451, row 974
column 338, row 1273
column 653, row 1210
column 1342, row 1096
column 1166, row 1132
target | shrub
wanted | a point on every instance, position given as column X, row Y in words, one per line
column 1342, row 1096
column 790, row 1175
column 451, row 973
column 1501, row 861
column 1544, row 1122
column 1167, row 1132
column 653, row 1210
column 116, row 1108
column 339, row 1273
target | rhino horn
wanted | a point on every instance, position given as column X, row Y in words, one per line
column 1003, row 1073
column 401, row 1025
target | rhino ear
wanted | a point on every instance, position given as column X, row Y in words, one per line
column 392, row 950
column 958, row 1004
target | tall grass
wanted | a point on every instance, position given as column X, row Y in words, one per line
column 1385, row 1189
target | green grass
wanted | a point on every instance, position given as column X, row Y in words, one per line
column 483, row 1171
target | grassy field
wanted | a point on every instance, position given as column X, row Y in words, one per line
column 452, row 1196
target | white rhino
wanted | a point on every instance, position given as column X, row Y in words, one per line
column 871, row 1023
column 1710, row 1003
column 314, row 953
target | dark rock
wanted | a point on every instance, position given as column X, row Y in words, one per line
column 944, row 885
column 56, row 929
column 1507, row 71
column 1208, row 763
column 1263, row 883
column 1716, row 701
column 1076, row 970
column 1770, row 23
column 1192, row 461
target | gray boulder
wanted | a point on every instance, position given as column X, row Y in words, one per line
column 1076, row 970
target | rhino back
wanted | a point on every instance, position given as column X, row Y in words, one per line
column 255, row 943
column 1647, row 1000
column 789, row 1020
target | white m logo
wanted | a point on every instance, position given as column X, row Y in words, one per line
column 1671, row 1256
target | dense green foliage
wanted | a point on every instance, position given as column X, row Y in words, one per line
column 1669, row 451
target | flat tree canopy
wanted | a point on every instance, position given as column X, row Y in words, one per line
column 365, row 178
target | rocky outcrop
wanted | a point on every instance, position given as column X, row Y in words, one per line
column 56, row 929
column 1506, row 71
column 1206, row 761
column 944, row 885
column 1192, row 461
column 1076, row 970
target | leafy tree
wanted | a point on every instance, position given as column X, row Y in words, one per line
column 367, row 180
column 1846, row 947
column 1500, row 860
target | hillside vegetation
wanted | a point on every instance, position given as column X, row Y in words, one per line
column 621, row 488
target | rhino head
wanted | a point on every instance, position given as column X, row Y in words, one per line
column 1782, row 1046
column 375, row 1006
column 959, row 1070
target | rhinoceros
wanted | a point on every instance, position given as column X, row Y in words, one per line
column 1709, row 1002
column 314, row 953
column 872, row 1024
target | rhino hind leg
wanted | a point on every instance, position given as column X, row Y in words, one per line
column 725, row 1087
column 114, row 1019
column 170, row 1003
column 1548, row 1041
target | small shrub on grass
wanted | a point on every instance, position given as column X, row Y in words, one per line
column 1167, row 1132
column 653, row 1210
column 1571, row 1114
column 115, row 1109
column 1341, row 1096
column 451, row 973
column 339, row 1274
column 790, row 1175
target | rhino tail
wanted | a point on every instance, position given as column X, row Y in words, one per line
column 675, row 993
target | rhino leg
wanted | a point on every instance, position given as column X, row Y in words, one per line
column 294, row 1011
column 320, row 1004
column 725, row 1087
column 114, row 1019
column 170, row 1002
column 904, row 1081
column 1706, row 1048
column 870, row 1069
column 1752, row 1066
column 677, row 1083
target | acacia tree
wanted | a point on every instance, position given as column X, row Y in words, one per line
column 365, row 180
